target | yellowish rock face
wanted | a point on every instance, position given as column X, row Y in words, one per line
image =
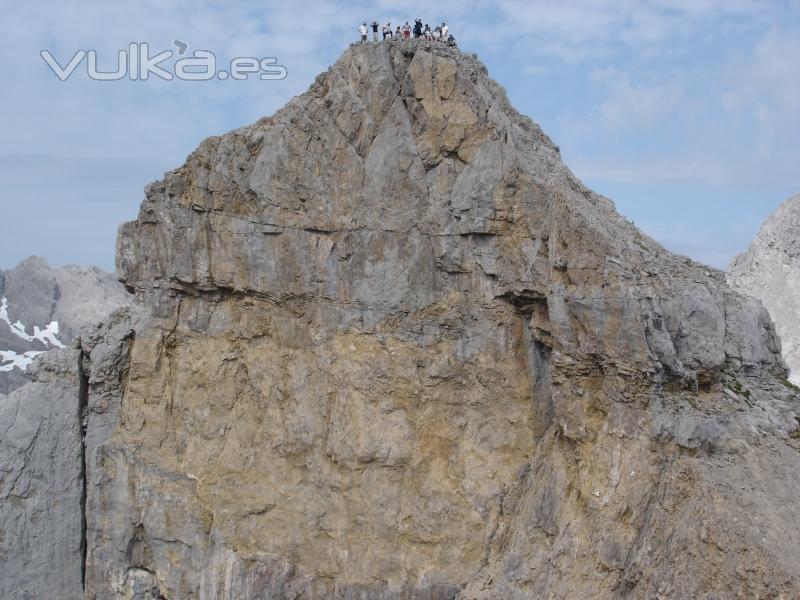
column 360, row 454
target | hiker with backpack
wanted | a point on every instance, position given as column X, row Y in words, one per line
column 387, row 31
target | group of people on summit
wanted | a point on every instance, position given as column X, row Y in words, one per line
column 438, row 33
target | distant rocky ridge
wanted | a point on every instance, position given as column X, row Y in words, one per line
column 770, row 271
column 386, row 346
column 42, row 308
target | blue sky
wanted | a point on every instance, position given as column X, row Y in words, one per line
column 685, row 112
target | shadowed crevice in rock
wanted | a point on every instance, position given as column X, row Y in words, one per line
column 531, row 305
column 83, row 417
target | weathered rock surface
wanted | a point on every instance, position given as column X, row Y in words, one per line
column 41, row 483
column 387, row 346
column 770, row 271
column 44, row 308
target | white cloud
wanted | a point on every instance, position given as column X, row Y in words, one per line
column 635, row 106
column 765, row 87
column 582, row 30
column 732, row 122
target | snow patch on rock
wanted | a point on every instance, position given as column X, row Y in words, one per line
column 46, row 336
column 10, row 360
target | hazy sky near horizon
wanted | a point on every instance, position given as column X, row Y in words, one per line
column 685, row 112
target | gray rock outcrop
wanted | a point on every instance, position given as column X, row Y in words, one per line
column 386, row 345
column 41, row 484
column 770, row 271
column 44, row 308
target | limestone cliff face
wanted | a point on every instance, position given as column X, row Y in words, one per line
column 387, row 346
column 770, row 271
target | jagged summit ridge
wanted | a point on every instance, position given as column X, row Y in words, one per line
column 387, row 346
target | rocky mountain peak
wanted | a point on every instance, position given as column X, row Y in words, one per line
column 386, row 345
